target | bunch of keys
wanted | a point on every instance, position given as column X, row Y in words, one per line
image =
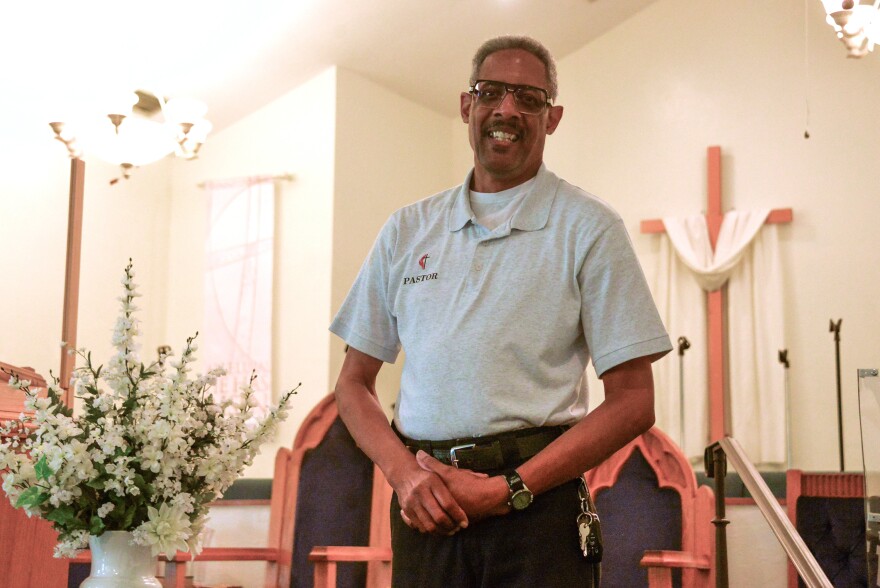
column 588, row 527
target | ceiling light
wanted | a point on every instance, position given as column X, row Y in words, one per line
column 129, row 136
column 857, row 25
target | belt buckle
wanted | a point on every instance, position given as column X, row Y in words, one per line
column 453, row 459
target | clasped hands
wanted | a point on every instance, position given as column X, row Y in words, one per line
column 443, row 500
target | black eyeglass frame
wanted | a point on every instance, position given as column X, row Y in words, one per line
column 511, row 89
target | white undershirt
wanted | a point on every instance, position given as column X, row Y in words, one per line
column 493, row 209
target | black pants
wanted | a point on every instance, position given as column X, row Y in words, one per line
column 536, row 547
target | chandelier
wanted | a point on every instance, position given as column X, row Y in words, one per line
column 857, row 25
column 138, row 128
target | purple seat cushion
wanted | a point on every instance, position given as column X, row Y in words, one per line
column 333, row 506
column 834, row 530
column 636, row 515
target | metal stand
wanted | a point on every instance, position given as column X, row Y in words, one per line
column 835, row 328
column 683, row 345
column 783, row 359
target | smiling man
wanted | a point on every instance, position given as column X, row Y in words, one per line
column 501, row 291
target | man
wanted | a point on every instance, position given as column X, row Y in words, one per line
column 500, row 291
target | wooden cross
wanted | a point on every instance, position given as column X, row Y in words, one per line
column 715, row 301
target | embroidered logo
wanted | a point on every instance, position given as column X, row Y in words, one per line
column 423, row 263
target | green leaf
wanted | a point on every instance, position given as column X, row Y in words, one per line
column 97, row 525
column 62, row 515
column 75, row 524
column 42, row 469
column 31, row 497
column 129, row 516
column 97, row 483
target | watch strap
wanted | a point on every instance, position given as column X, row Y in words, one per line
column 514, row 481
column 518, row 490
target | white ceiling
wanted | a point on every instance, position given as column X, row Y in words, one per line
column 238, row 56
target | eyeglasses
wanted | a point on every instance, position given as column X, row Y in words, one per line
column 528, row 99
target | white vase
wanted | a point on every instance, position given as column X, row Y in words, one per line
column 116, row 563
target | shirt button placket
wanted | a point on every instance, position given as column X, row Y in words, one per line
column 477, row 265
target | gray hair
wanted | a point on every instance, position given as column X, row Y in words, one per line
column 517, row 42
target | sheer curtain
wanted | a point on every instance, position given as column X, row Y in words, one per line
column 237, row 332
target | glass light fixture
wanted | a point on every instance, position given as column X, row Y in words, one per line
column 857, row 25
column 130, row 139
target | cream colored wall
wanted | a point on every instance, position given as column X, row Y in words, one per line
column 389, row 152
column 33, row 218
column 121, row 221
column 645, row 100
column 294, row 134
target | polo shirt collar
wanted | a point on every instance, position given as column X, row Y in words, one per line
column 532, row 214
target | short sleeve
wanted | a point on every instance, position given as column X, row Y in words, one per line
column 365, row 320
column 619, row 317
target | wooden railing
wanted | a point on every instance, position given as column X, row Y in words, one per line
column 717, row 456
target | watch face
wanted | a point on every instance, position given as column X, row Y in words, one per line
column 521, row 499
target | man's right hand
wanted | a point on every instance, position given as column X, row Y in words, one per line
column 426, row 504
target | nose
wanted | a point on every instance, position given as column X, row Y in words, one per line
column 508, row 105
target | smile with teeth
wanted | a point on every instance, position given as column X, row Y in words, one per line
column 503, row 136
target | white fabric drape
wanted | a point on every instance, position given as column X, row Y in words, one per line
column 755, row 335
column 675, row 289
column 747, row 257
column 691, row 239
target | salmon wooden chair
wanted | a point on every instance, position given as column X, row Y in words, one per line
column 325, row 491
column 653, row 516
column 378, row 553
column 828, row 511
column 26, row 543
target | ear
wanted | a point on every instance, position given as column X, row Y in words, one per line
column 466, row 100
column 554, row 115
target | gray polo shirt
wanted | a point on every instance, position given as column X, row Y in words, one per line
column 498, row 326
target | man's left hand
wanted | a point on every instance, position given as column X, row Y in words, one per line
column 478, row 494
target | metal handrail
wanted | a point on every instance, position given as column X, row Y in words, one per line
column 729, row 448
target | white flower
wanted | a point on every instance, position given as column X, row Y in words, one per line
column 68, row 547
column 7, row 457
column 160, row 435
column 9, row 487
column 166, row 531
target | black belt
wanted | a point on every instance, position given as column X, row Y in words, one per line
column 492, row 452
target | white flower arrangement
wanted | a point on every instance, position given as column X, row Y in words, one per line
column 149, row 453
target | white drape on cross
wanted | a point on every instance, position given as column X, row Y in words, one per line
column 746, row 257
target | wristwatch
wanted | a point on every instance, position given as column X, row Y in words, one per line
column 520, row 495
